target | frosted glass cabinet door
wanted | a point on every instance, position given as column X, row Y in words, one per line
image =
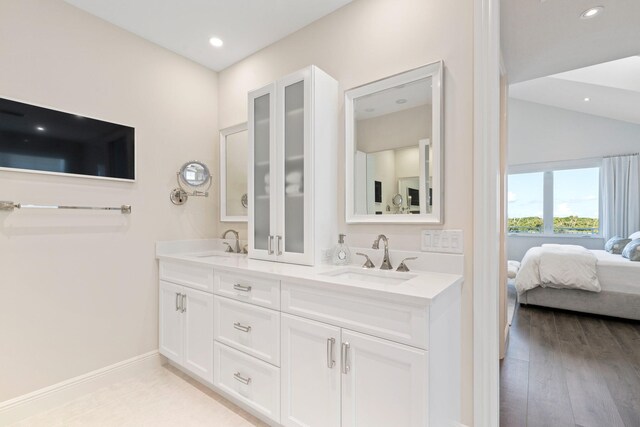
column 294, row 152
column 261, row 133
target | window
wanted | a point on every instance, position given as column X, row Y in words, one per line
column 526, row 202
column 562, row 201
column 576, row 203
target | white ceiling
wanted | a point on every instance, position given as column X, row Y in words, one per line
column 613, row 89
column 185, row 26
column 543, row 37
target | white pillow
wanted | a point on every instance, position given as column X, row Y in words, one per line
column 635, row 235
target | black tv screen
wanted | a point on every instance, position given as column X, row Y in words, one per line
column 40, row 139
column 415, row 196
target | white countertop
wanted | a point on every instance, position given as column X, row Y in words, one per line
column 424, row 287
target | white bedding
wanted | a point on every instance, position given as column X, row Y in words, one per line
column 617, row 273
column 558, row 266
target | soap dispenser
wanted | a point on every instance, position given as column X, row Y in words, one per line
column 341, row 253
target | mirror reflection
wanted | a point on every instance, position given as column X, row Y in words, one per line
column 194, row 174
column 393, row 140
column 233, row 167
column 393, row 155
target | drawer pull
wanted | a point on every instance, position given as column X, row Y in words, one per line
column 242, row 288
column 177, row 303
column 330, row 362
column 239, row 326
column 184, row 303
column 238, row 376
column 345, row 358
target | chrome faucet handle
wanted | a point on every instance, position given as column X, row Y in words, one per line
column 368, row 263
column 237, row 237
column 403, row 266
column 245, row 249
column 229, row 248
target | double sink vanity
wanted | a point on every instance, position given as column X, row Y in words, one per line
column 282, row 333
column 314, row 346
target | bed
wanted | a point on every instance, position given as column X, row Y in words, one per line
column 619, row 283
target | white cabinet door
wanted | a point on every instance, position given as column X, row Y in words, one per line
column 294, row 159
column 310, row 372
column 262, row 173
column 198, row 333
column 170, row 328
column 383, row 383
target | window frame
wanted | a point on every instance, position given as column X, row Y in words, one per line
column 547, row 193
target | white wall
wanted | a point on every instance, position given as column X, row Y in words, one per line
column 365, row 41
column 541, row 133
column 79, row 289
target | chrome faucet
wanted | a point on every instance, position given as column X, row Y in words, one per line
column 237, row 237
column 386, row 263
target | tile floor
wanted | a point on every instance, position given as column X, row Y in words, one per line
column 162, row 396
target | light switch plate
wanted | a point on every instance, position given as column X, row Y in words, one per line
column 444, row 241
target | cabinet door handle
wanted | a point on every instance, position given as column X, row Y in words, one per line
column 345, row 358
column 242, row 288
column 330, row 362
column 238, row 376
column 239, row 326
column 184, row 303
column 279, row 245
column 177, row 301
column 269, row 242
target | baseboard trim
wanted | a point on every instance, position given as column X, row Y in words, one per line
column 49, row 397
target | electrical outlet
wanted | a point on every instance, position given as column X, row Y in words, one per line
column 444, row 241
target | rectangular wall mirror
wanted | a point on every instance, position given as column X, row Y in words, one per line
column 233, row 173
column 394, row 148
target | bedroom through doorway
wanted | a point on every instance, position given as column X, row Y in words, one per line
column 570, row 282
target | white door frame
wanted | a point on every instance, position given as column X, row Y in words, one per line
column 486, row 202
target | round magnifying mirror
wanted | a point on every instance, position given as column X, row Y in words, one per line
column 194, row 173
column 397, row 200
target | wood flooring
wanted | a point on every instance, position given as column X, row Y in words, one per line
column 570, row 369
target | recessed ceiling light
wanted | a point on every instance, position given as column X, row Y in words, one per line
column 215, row 42
column 401, row 101
column 40, row 128
column 587, row 99
column 590, row 13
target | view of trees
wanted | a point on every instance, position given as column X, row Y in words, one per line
column 565, row 225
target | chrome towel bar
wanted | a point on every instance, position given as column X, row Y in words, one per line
column 10, row 206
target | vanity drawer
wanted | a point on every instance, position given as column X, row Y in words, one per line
column 194, row 276
column 248, row 288
column 251, row 381
column 249, row 328
column 399, row 321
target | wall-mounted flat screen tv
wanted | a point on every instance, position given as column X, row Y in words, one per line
column 37, row 139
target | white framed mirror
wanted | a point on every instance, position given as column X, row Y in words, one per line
column 233, row 173
column 394, row 148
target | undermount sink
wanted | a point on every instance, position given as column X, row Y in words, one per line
column 214, row 255
column 362, row 275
